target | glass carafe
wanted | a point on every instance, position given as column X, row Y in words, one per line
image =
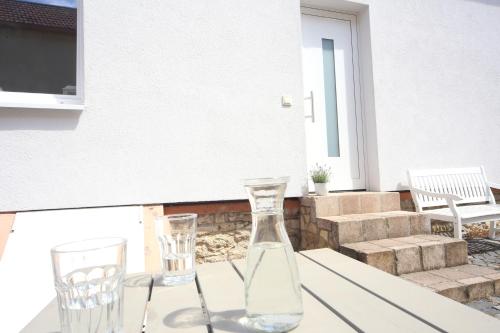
column 273, row 298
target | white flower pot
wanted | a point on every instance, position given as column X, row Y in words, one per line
column 321, row 188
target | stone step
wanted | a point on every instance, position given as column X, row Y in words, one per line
column 465, row 283
column 409, row 254
column 371, row 226
column 345, row 203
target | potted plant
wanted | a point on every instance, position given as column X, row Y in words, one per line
column 320, row 176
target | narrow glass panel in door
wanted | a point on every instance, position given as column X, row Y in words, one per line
column 332, row 126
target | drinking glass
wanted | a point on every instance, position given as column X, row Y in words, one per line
column 177, row 237
column 88, row 277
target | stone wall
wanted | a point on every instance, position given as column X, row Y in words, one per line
column 317, row 233
column 312, row 237
column 224, row 228
column 407, row 203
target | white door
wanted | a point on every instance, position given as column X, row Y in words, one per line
column 332, row 97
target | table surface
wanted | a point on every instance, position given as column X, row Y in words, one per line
column 339, row 295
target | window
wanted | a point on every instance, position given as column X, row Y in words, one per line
column 39, row 53
column 332, row 127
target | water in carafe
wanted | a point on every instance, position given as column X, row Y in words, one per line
column 272, row 285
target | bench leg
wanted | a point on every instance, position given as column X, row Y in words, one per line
column 492, row 229
column 457, row 229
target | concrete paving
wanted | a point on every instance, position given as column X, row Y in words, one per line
column 490, row 306
column 490, row 259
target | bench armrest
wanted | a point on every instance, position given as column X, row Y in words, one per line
column 494, row 185
column 445, row 196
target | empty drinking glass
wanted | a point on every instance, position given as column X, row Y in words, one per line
column 177, row 237
column 88, row 277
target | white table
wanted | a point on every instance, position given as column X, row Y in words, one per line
column 339, row 295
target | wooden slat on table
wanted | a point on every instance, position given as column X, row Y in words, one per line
column 175, row 309
column 366, row 311
column 317, row 318
column 47, row 321
column 136, row 294
column 438, row 310
column 224, row 296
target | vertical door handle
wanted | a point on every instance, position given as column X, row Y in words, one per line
column 311, row 97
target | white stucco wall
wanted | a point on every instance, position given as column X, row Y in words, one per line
column 436, row 85
column 436, row 71
column 183, row 100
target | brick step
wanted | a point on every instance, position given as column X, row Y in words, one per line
column 409, row 254
column 372, row 226
column 351, row 203
column 465, row 283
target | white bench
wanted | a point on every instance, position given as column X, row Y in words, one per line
column 458, row 189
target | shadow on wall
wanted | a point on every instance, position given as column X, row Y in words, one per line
column 44, row 120
column 487, row 2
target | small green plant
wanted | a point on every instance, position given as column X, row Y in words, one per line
column 321, row 173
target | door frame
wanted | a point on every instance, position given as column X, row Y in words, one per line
column 358, row 93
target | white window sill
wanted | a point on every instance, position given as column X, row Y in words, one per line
column 28, row 101
column 50, row 106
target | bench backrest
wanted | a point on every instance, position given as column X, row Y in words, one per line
column 468, row 183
